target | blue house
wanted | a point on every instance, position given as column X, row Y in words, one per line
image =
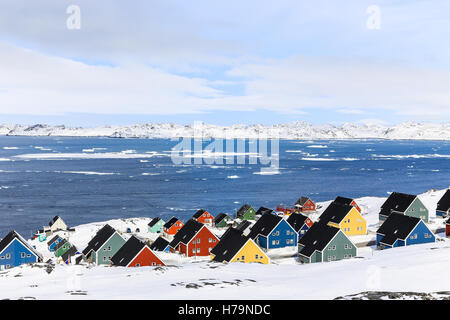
column 271, row 232
column 400, row 230
column 54, row 242
column 300, row 223
column 15, row 251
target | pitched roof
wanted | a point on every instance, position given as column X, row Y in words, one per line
column 220, row 217
column 53, row 221
column 230, row 243
column 301, row 201
column 160, row 244
column 396, row 202
column 264, row 225
column 127, row 252
column 59, row 245
column 154, row 221
column 263, row 210
column 242, row 210
column 397, row 226
column 198, row 214
column 317, row 238
column 297, row 220
column 100, row 238
column 52, row 240
column 170, row 223
column 335, row 213
column 444, row 202
column 69, row 253
column 243, row 225
column 343, row 200
column 14, row 235
column 186, row 233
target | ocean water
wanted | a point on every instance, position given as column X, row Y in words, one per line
column 95, row 179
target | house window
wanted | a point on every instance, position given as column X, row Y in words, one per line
column 8, row 256
column 2, row 258
column 104, row 258
column 332, row 247
column 198, row 240
column 256, row 256
column 138, row 265
column 243, row 258
column 153, row 264
column 22, row 255
column 193, row 250
column 28, row 255
column 209, row 240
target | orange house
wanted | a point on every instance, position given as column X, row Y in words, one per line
column 172, row 226
column 305, row 204
column 204, row 217
column 194, row 239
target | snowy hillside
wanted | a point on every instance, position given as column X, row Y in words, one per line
column 394, row 270
column 294, row 130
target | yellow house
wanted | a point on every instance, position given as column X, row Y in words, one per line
column 235, row 247
column 345, row 217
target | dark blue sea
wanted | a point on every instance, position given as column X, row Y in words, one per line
column 95, row 179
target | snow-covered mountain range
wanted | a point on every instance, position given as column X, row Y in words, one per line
column 294, row 130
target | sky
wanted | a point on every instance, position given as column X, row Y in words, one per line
column 91, row 63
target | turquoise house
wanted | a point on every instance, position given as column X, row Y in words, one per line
column 156, row 225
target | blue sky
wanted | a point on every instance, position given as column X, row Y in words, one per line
column 224, row 62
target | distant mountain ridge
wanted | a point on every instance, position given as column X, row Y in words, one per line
column 294, row 130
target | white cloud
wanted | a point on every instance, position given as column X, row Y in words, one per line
column 343, row 84
column 35, row 83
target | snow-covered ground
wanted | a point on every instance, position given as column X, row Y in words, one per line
column 293, row 130
column 419, row 268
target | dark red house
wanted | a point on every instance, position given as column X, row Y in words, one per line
column 194, row 239
column 135, row 253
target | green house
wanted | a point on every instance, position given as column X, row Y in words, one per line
column 323, row 243
column 246, row 212
column 62, row 248
column 222, row 220
column 156, row 225
column 403, row 203
column 103, row 246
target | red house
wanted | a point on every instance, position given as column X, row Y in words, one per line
column 172, row 226
column 135, row 253
column 194, row 239
column 447, row 227
column 285, row 210
column 204, row 217
column 347, row 201
column 305, row 204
